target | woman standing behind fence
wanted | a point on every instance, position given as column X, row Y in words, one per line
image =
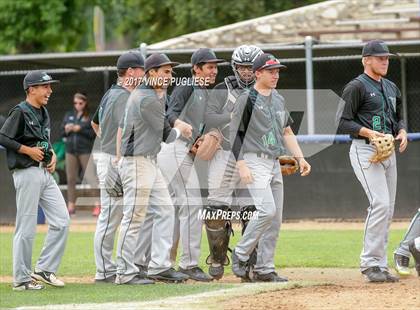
column 79, row 137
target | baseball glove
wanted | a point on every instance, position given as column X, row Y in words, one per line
column 384, row 148
column 288, row 165
column 206, row 145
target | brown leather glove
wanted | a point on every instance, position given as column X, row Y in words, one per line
column 288, row 165
column 385, row 146
column 206, row 146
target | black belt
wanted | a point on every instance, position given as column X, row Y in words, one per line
column 265, row 156
column 38, row 164
column 152, row 157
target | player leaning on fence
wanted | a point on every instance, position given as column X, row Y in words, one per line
column 372, row 115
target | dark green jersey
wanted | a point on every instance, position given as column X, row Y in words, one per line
column 371, row 104
column 26, row 125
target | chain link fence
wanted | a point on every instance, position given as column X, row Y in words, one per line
column 330, row 73
column 330, row 76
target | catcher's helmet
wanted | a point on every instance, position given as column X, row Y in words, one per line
column 244, row 55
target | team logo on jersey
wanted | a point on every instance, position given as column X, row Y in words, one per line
column 372, row 94
column 31, row 123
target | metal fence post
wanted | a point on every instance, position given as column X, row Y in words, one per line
column 309, row 85
column 404, row 89
column 106, row 80
column 143, row 49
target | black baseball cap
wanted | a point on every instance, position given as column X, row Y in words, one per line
column 157, row 60
column 376, row 48
column 267, row 61
column 37, row 77
column 204, row 55
column 131, row 59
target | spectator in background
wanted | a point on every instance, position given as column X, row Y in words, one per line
column 79, row 137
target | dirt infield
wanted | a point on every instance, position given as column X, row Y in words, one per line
column 343, row 289
column 309, row 288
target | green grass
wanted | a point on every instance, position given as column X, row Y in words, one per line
column 317, row 248
column 88, row 293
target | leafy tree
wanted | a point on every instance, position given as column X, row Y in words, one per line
column 154, row 21
column 42, row 26
column 66, row 25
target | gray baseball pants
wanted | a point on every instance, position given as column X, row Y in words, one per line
column 144, row 185
column 178, row 168
column 35, row 187
column 413, row 232
column 263, row 229
column 379, row 180
column 107, row 224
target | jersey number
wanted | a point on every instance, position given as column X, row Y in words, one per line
column 376, row 123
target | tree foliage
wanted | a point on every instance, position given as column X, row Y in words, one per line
column 42, row 26
column 150, row 21
column 66, row 25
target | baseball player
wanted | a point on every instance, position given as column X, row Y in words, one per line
column 145, row 127
column 130, row 68
column 373, row 108
column 222, row 176
column 188, row 103
column 260, row 131
column 26, row 136
column 402, row 253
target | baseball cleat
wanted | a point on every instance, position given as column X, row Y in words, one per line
column 170, row 276
column 142, row 271
column 47, row 277
column 28, row 286
column 137, row 280
column 110, row 279
column 196, row 274
column 401, row 264
column 390, row 277
column 269, row 277
column 374, row 275
column 414, row 249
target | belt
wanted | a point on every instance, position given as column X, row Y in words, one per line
column 38, row 164
column 152, row 158
column 265, row 156
column 366, row 140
